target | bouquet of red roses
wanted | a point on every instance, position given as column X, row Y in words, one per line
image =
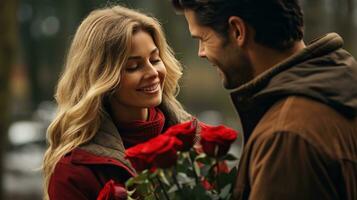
column 188, row 161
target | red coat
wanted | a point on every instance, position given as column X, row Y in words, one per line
column 81, row 175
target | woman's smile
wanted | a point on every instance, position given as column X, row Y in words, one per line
column 150, row 89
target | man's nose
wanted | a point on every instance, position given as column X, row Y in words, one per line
column 201, row 50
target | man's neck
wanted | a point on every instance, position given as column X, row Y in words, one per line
column 264, row 58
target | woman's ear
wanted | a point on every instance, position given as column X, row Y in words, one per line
column 237, row 30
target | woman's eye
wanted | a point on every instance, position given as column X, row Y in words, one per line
column 155, row 61
column 132, row 68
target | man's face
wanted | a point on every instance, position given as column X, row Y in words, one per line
column 231, row 62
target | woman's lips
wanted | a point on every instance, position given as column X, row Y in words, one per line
column 150, row 89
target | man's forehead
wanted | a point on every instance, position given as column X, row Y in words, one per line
column 192, row 22
column 189, row 14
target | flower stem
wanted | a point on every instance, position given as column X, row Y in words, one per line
column 174, row 177
column 162, row 188
column 193, row 168
column 217, row 176
column 153, row 185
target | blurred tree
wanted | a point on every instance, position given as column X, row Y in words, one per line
column 8, row 50
column 351, row 5
column 45, row 35
column 323, row 16
column 343, row 22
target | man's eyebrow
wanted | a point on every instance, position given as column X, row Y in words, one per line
column 156, row 50
column 195, row 36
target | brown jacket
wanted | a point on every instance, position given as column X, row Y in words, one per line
column 300, row 127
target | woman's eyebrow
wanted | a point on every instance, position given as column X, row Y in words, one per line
column 139, row 57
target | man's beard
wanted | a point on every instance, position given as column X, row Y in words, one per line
column 238, row 74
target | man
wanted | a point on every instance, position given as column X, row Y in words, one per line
column 297, row 102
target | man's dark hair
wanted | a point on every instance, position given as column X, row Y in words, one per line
column 277, row 23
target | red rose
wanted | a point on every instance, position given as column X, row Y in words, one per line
column 112, row 191
column 216, row 140
column 158, row 152
column 185, row 132
column 137, row 158
column 162, row 151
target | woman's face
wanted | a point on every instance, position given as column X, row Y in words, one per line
column 142, row 78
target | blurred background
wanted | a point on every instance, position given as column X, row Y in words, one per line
column 34, row 37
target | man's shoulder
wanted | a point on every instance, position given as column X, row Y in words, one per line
column 297, row 113
column 316, row 123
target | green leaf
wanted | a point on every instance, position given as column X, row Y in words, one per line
column 229, row 157
column 205, row 170
column 163, row 177
column 143, row 189
column 129, row 182
column 141, row 178
column 150, row 197
column 200, row 193
column 184, row 179
column 189, row 173
column 197, row 169
column 172, row 189
column 153, row 175
column 233, row 172
column 229, row 196
column 225, row 179
column 131, row 192
column 193, row 154
column 225, row 191
column 181, row 168
column 202, row 158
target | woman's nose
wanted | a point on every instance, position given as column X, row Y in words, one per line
column 151, row 70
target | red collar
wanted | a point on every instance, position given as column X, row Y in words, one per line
column 136, row 132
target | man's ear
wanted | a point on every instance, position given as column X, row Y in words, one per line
column 238, row 30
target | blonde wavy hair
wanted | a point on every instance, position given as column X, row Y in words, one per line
column 99, row 49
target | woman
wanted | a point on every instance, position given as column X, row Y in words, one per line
column 117, row 90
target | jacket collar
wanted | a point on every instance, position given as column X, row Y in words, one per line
column 321, row 46
column 247, row 98
column 107, row 142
